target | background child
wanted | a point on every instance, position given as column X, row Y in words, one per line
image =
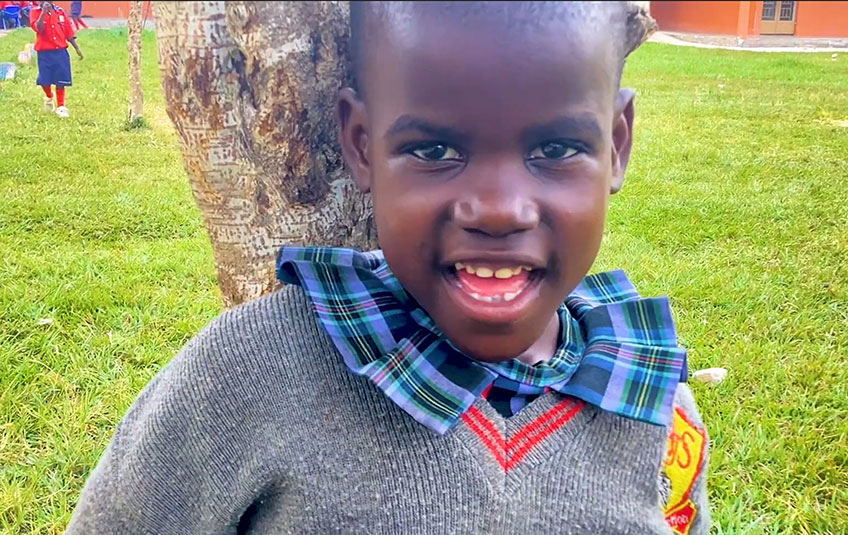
column 76, row 15
column 468, row 378
column 53, row 32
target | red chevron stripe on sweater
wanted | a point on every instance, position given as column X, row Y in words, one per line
column 510, row 452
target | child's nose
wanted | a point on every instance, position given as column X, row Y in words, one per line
column 497, row 207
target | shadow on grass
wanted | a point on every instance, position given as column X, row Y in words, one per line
column 139, row 123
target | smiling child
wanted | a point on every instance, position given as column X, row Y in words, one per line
column 469, row 377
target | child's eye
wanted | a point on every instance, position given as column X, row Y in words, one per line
column 552, row 150
column 435, row 152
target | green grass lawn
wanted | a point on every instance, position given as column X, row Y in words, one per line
column 735, row 205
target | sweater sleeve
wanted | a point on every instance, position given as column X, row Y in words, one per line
column 684, row 472
column 188, row 456
column 33, row 16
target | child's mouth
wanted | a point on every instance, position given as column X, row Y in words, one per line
column 493, row 292
column 492, row 284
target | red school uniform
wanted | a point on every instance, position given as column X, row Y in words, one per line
column 56, row 31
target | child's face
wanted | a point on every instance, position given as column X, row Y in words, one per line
column 495, row 152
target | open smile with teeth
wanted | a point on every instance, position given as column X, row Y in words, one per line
column 492, row 284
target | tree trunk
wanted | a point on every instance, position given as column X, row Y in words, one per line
column 134, row 48
column 250, row 88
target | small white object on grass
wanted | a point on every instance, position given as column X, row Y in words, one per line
column 45, row 321
column 7, row 71
column 711, row 376
column 833, row 57
column 24, row 56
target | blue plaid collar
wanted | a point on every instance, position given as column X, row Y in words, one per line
column 617, row 351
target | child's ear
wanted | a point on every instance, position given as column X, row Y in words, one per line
column 353, row 136
column 622, row 136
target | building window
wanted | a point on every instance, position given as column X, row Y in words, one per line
column 786, row 10
column 768, row 10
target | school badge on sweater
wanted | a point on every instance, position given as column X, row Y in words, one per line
column 682, row 466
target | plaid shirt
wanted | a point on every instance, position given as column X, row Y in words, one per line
column 617, row 351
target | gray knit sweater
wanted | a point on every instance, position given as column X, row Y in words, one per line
column 257, row 427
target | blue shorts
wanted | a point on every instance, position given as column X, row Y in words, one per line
column 54, row 68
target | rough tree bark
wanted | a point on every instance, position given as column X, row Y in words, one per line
column 250, row 88
column 134, row 47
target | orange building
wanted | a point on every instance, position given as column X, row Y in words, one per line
column 750, row 19
column 106, row 9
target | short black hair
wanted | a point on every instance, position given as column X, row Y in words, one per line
column 629, row 21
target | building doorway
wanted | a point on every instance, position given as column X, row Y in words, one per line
column 778, row 18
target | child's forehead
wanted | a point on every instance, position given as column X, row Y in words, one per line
column 474, row 70
column 512, row 21
column 484, row 45
column 518, row 15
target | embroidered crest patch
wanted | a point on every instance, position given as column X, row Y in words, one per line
column 682, row 465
